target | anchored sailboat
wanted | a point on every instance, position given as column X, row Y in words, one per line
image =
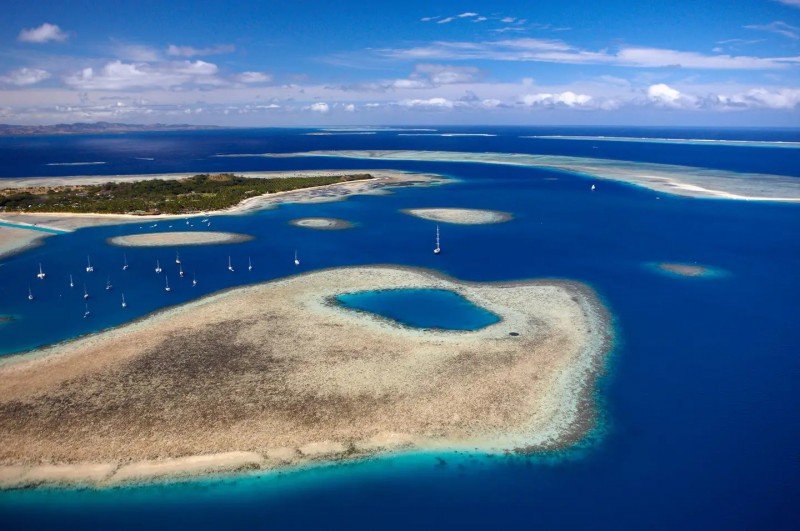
column 124, row 262
column 71, row 283
column 438, row 247
column 40, row 275
column 87, row 312
column 194, row 279
column 249, row 264
column 85, row 293
column 124, row 304
column 230, row 267
column 296, row 260
column 180, row 271
column 89, row 267
column 158, row 267
column 167, row 288
column 30, row 294
column 177, row 258
column 108, row 283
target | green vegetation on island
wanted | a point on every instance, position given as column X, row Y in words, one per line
column 159, row 196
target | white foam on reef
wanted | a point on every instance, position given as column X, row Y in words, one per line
column 712, row 141
column 74, row 163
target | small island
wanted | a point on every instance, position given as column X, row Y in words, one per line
column 190, row 195
column 276, row 375
column 322, row 223
column 460, row 216
column 178, row 238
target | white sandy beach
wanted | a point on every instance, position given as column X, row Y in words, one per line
column 460, row 216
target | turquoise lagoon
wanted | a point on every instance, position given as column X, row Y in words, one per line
column 700, row 397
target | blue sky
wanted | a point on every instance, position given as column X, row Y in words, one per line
column 368, row 62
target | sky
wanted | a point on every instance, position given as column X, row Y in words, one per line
column 319, row 62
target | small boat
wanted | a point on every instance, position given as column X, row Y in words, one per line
column 177, row 258
column 249, row 264
column 230, row 267
column 194, row 280
column 71, row 283
column 89, row 267
column 296, row 260
column 124, row 304
column 158, row 267
column 204, row 220
column 40, row 275
column 124, row 262
column 108, row 284
column 85, row 293
column 180, row 271
column 167, row 288
column 30, row 294
column 87, row 312
column 438, row 248
column 594, row 188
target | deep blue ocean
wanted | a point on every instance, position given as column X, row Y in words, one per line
column 699, row 403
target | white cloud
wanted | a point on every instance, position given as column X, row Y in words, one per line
column 117, row 75
column 556, row 51
column 467, row 14
column 320, row 107
column 563, row 99
column 254, row 77
column 136, row 52
column 189, row 51
column 428, row 104
column 793, row 3
column 24, row 76
column 350, row 107
column 45, row 33
column 665, row 96
column 779, row 27
column 756, row 98
column 447, row 74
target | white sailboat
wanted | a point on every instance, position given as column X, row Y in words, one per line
column 296, row 260
column 158, row 267
column 438, row 248
column 124, row 304
column 594, row 188
column 108, row 283
column 89, row 267
column 71, row 283
column 40, row 275
column 194, row 279
column 249, row 264
column 167, row 288
column 180, row 271
column 30, row 294
column 85, row 293
column 124, row 262
column 177, row 258
column 230, row 267
column 87, row 312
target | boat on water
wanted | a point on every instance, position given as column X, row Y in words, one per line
column 249, row 264
column 296, row 260
column 166, row 280
column 177, row 258
column 230, row 266
column 87, row 312
column 108, row 284
column 71, row 283
column 89, row 267
column 124, row 262
column 180, row 271
column 85, row 293
column 438, row 248
column 30, row 294
column 158, row 267
column 124, row 304
column 194, row 280
column 40, row 275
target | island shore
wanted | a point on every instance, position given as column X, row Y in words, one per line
column 178, row 238
column 684, row 181
column 18, row 238
column 460, row 216
column 322, row 223
column 278, row 375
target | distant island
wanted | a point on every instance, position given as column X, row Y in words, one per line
column 95, row 127
column 188, row 195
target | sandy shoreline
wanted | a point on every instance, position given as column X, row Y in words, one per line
column 344, row 385
column 178, row 238
column 16, row 239
column 460, row 216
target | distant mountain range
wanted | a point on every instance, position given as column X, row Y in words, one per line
column 94, row 127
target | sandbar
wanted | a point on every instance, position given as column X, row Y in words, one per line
column 460, row 216
column 322, row 223
column 277, row 375
column 687, row 181
column 14, row 240
column 178, row 238
column 685, row 270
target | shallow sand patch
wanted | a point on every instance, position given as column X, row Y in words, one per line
column 322, row 223
column 14, row 240
column 173, row 239
column 275, row 375
column 461, row 216
column 686, row 270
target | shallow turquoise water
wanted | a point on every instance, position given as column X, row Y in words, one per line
column 422, row 308
column 701, row 393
